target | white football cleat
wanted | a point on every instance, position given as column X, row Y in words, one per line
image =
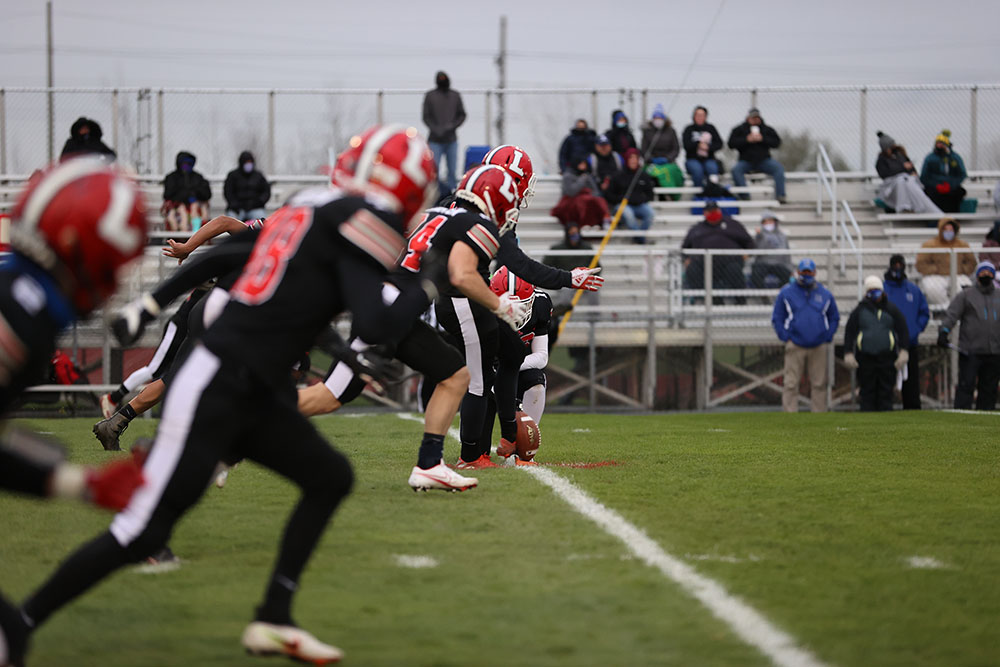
column 107, row 407
column 267, row 639
column 439, row 477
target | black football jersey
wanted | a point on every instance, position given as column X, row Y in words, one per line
column 541, row 318
column 430, row 244
column 309, row 263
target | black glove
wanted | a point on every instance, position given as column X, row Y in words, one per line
column 942, row 340
column 133, row 318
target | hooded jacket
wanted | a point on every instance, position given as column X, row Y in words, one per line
column 977, row 309
column 876, row 330
column 807, row 316
column 443, row 114
column 911, row 302
column 940, row 264
column 185, row 187
column 578, row 142
column 757, row 151
column 621, row 138
column 243, row 191
column 82, row 144
column 666, row 145
column 890, row 164
column 691, row 137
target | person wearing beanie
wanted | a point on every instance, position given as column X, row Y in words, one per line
column 620, row 133
column 246, row 190
column 579, row 141
column 901, row 189
column 638, row 214
column 805, row 317
column 770, row 270
column 754, row 140
column 943, row 173
column 977, row 310
column 701, row 140
column 443, row 113
column 911, row 302
column 936, row 267
column 875, row 344
column 659, row 143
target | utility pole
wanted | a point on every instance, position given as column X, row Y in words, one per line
column 49, row 84
column 502, row 71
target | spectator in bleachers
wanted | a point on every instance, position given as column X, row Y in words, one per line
column 913, row 304
column 579, row 141
column 875, row 340
column 604, row 164
column 992, row 240
column 754, row 140
column 246, row 190
column 581, row 203
column 936, row 267
column 901, row 189
column 943, row 173
column 85, row 138
column 701, row 140
column 770, row 270
column 721, row 232
column 620, row 133
column 659, row 143
column 186, row 194
column 805, row 317
column 637, row 214
column 444, row 113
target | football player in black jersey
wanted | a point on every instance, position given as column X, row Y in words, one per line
column 73, row 228
column 232, row 396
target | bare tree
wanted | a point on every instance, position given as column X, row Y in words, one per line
column 798, row 151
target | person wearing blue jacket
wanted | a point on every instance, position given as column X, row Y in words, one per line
column 805, row 318
column 913, row 304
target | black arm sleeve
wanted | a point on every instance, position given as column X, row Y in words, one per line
column 851, row 332
column 899, row 323
column 231, row 254
column 522, row 266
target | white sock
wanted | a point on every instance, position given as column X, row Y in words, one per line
column 534, row 402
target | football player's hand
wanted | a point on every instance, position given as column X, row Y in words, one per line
column 902, row 359
column 178, row 251
column 587, row 279
column 511, row 311
column 133, row 318
column 851, row 361
column 112, row 485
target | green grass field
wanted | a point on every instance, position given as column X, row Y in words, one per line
column 809, row 519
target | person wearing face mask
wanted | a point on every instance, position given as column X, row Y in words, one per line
column 943, row 173
column 770, row 270
column 716, row 231
column 659, row 142
column 911, row 302
column 444, row 113
column 936, row 267
column 581, row 203
column 579, row 141
column 805, row 317
column 620, row 134
column 637, row 214
column 901, row 189
column 186, row 194
column 85, row 139
column 604, row 164
column 246, row 190
column 875, row 344
column 701, row 140
column 977, row 310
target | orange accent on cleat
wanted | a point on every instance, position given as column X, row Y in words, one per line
column 482, row 462
column 506, row 448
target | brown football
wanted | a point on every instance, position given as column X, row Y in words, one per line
column 528, row 436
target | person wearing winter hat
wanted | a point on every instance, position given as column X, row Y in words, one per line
column 620, row 134
column 942, row 174
column 754, row 140
column 936, row 267
column 875, row 344
column 977, row 309
column 911, row 302
column 85, row 139
column 901, row 189
column 770, row 270
column 638, row 214
column 805, row 317
column 660, row 145
column 246, row 190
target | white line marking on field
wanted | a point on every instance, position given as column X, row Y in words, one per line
column 719, row 430
column 842, row 428
column 723, row 559
column 417, row 562
column 926, row 563
column 991, row 413
column 409, row 416
column 581, row 430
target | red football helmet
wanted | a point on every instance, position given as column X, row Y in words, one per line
column 517, row 163
column 505, row 282
column 81, row 220
column 491, row 189
column 391, row 164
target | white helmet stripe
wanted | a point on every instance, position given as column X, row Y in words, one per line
column 511, row 282
column 367, row 160
column 113, row 226
column 477, row 173
column 53, row 183
column 489, row 156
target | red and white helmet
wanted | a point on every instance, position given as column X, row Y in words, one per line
column 491, row 189
column 81, row 220
column 505, row 282
column 393, row 165
column 517, row 163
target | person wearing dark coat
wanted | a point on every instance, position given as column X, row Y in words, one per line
column 186, row 194
column 901, row 189
column 716, row 231
column 604, row 164
column 943, row 173
column 443, row 113
column 246, row 190
column 638, row 214
column 875, row 343
column 659, row 143
column 579, row 141
column 701, row 140
column 85, row 138
column 913, row 304
column 754, row 140
column 620, row 134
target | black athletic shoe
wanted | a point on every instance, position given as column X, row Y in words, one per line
column 163, row 560
column 108, row 431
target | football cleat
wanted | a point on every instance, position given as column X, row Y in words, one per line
column 261, row 638
column 162, row 561
column 482, row 462
column 506, row 448
column 108, row 431
column 439, row 477
column 520, row 462
column 107, row 407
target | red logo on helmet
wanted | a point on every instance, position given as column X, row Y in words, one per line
column 505, row 282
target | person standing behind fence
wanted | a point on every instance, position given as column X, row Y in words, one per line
column 185, row 195
column 805, row 317
column 443, row 114
column 901, row 189
column 246, row 190
column 911, row 302
column 701, row 140
column 875, row 340
column 943, row 173
column 977, row 310
column 936, row 267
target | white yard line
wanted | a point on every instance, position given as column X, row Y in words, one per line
column 748, row 624
column 992, row 413
column 415, row 562
column 409, row 416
